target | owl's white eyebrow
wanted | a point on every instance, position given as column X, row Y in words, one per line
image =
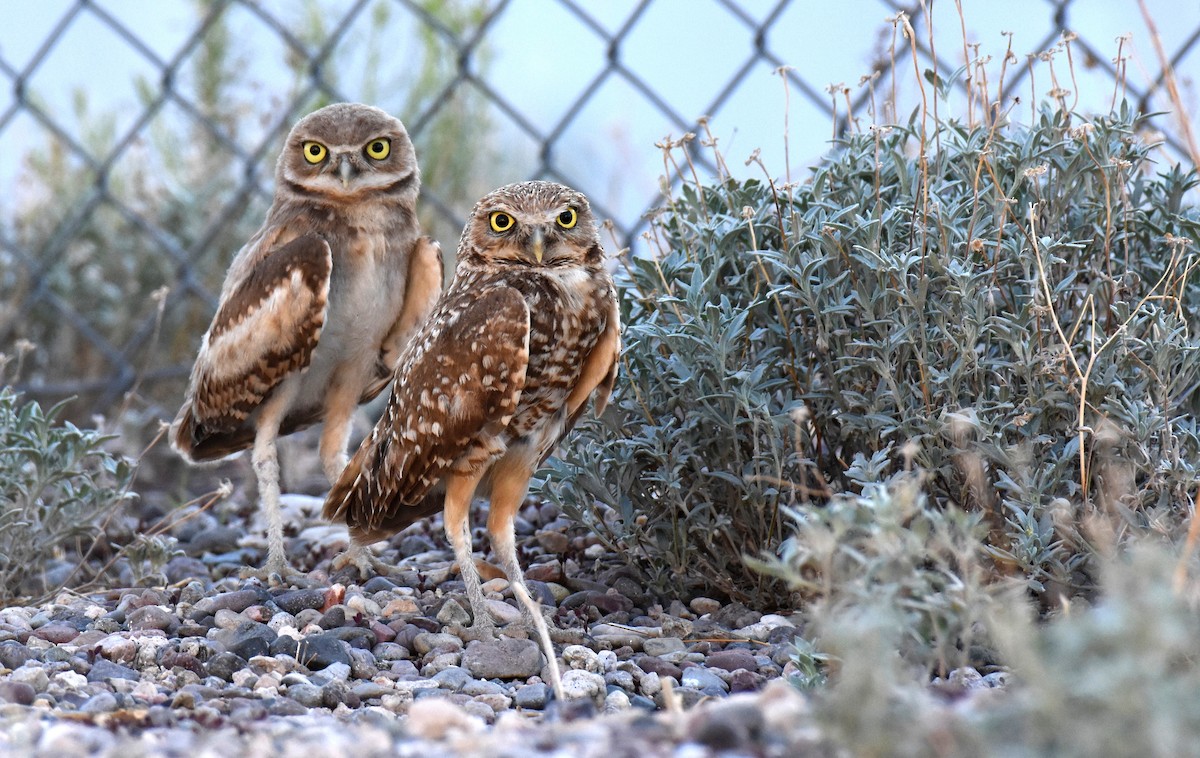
column 349, row 148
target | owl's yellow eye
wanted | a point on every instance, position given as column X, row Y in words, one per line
column 314, row 152
column 378, row 149
column 568, row 218
column 501, row 221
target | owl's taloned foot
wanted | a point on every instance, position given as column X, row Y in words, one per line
column 361, row 559
column 275, row 574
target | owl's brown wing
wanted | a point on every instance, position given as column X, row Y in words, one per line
column 266, row 327
column 423, row 287
column 456, row 388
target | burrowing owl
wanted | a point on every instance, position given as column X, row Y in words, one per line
column 526, row 333
column 317, row 306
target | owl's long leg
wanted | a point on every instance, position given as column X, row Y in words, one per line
column 510, row 481
column 266, row 468
column 460, row 489
column 341, row 400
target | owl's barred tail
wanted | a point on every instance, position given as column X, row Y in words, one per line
column 340, row 503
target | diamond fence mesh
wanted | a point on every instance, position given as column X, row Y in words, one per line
column 116, row 222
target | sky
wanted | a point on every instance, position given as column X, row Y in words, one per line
column 540, row 56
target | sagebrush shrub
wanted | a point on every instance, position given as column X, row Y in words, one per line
column 57, row 487
column 1013, row 305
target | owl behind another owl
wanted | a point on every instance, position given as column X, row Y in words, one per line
column 318, row 305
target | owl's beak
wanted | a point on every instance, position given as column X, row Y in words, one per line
column 345, row 170
column 538, row 243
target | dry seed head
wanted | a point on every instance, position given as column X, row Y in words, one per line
column 1082, row 131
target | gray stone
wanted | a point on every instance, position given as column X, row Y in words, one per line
column 503, row 659
column 746, row 681
column 246, row 639
column 452, row 613
column 16, row 692
column 453, row 678
column 318, row 651
column 305, row 694
column 370, row 690
column 424, row 642
column 13, row 654
column 223, row 665
column 729, row 727
column 336, row 693
column 362, row 664
column 153, row 617
column 580, row 657
column 553, row 542
column 578, row 683
column 236, row 601
column 183, row 567
column 533, row 696
column 297, row 600
column 642, row 702
column 334, row 671
column 732, row 660
column 662, row 645
column 217, row 539
column 333, row 618
column 475, row 687
column 704, row 680
column 101, row 702
column 622, row 679
column 103, row 670
column 57, row 632
column 355, row 636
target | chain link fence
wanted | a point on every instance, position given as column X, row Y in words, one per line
column 117, row 225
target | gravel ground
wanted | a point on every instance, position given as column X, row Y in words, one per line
column 215, row 665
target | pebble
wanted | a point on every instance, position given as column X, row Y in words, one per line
column 20, row 693
column 704, row 680
column 503, row 659
column 659, row 646
column 297, row 600
column 732, row 660
column 153, row 617
column 319, row 651
column 58, row 633
column 104, row 670
column 453, row 678
column 532, row 696
column 363, row 667
column 578, row 683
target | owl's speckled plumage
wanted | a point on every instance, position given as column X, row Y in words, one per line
column 527, row 332
column 317, row 306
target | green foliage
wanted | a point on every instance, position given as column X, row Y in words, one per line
column 889, row 549
column 58, row 487
column 1014, row 309
column 1119, row 678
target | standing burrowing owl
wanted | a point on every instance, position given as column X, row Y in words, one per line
column 319, row 303
column 526, row 333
